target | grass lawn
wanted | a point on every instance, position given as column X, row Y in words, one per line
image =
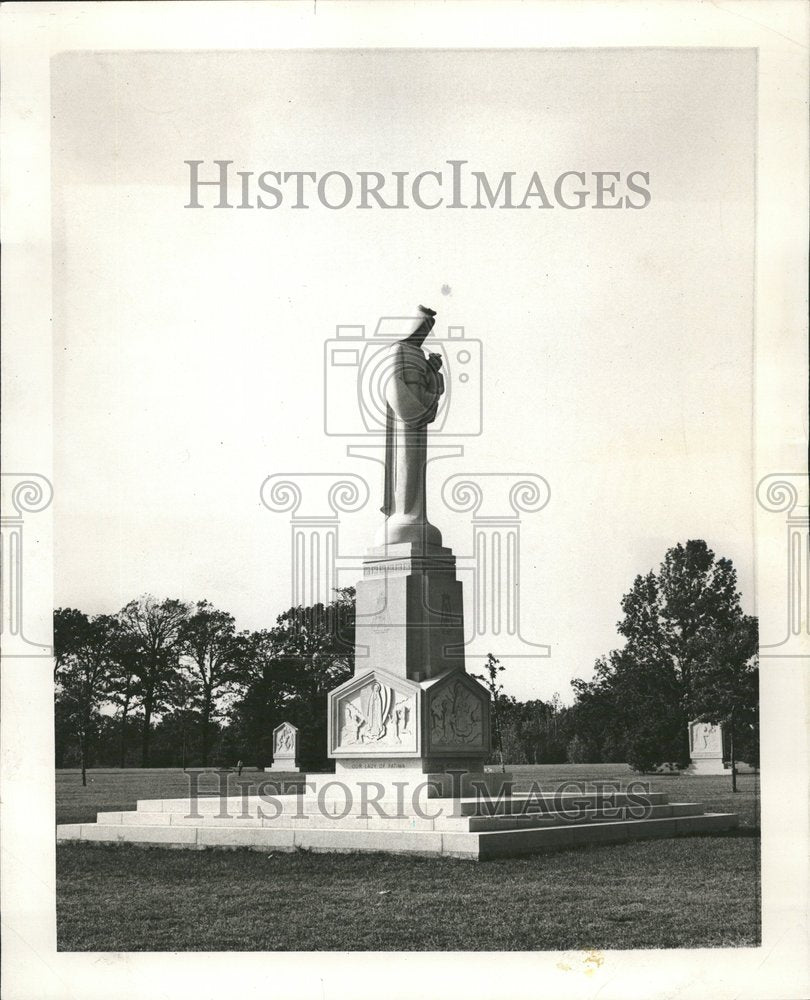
column 686, row 892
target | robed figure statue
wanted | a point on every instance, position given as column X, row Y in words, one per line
column 413, row 387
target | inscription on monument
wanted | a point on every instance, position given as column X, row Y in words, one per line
column 378, row 763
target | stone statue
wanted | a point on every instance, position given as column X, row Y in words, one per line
column 413, row 387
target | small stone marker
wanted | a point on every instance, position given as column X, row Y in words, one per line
column 285, row 748
column 705, row 748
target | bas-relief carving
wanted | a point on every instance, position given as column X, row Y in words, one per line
column 284, row 743
column 705, row 738
column 456, row 717
column 377, row 715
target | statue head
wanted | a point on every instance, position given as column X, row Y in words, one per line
column 424, row 324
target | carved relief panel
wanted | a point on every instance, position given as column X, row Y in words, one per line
column 285, row 741
column 705, row 740
column 375, row 712
column 457, row 715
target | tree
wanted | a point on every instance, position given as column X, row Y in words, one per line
column 207, row 640
column 631, row 706
column 593, row 717
column 492, row 668
column 83, row 652
column 727, row 689
column 669, row 617
column 675, row 622
column 266, row 688
column 545, row 730
column 69, row 628
column 512, row 743
column 290, row 669
column 578, row 752
column 155, row 627
column 125, row 688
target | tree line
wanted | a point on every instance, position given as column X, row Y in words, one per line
column 165, row 683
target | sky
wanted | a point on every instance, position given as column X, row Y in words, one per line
column 616, row 346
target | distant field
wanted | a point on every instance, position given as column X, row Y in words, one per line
column 687, row 892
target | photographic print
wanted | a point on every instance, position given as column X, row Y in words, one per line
column 422, row 573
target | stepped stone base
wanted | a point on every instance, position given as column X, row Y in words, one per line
column 474, row 828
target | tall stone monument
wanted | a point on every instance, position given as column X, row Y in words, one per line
column 411, row 706
column 409, row 732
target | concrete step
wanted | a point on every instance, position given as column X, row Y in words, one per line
column 297, row 805
column 472, row 845
column 509, row 843
column 434, row 820
column 531, row 820
column 570, row 803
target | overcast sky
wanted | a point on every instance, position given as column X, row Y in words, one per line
column 617, row 345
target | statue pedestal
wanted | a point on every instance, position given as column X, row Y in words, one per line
column 382, row 721
column 410, row 613
column 411, row 704
column 403, row 788
column 289, row 765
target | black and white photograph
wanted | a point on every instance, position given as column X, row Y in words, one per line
column 405, row 502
